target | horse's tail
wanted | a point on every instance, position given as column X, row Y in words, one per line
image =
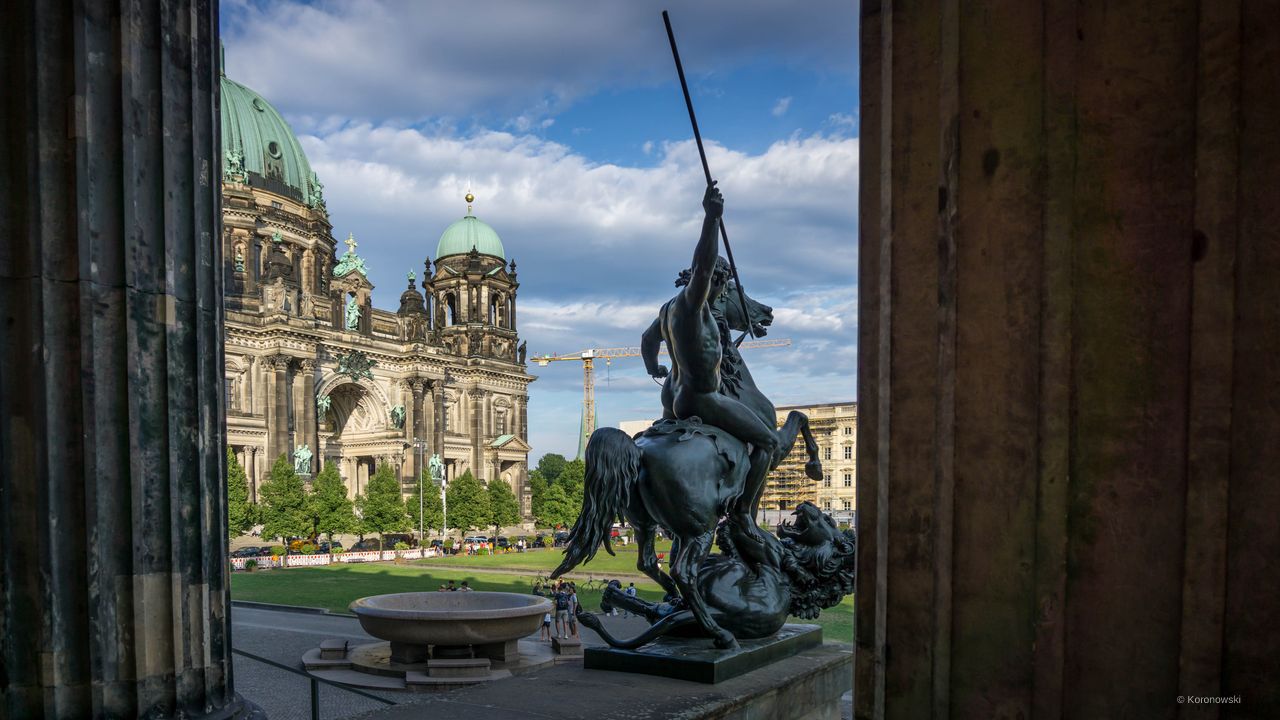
column 613, row 464
column 664, row 626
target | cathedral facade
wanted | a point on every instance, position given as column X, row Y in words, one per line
column 315, row 372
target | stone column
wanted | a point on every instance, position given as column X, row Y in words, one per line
column 437, row 400
column 520, row 417
column 1070, row 239
column 308, row 423
column 112, row 443
column 477, row 432
column 254, row 453
column 278, row 405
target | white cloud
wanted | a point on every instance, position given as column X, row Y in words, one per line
column 370, row 59
column 780, row 107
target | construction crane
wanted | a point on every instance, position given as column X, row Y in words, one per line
column 588, row 359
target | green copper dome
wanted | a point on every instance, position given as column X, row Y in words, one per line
column 258, row 146
column 467, row 233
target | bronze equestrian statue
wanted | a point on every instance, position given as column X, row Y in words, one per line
column 705, row 462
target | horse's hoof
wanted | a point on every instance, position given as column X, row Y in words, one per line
column 726, row 641
column 813, row 469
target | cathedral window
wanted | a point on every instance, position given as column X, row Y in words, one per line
column 451, row 309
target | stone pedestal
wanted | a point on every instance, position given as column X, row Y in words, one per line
column 696, row 660
column 566, row 646
column 112, row 479
column 806, row 686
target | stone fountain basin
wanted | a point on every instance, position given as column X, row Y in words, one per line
column 451, row 618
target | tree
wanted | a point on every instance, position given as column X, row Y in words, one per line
column 573, row 480
column 284, row 502
column 537, row 489
column 551, row 465
column 432, row 512
column 240, row 511
column 381, row 510
column 557, row 508
column 328, row 507
column 504, row 508
column 468, row 503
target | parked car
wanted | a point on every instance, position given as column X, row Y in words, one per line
column 502, row 542
column 437, row 543
column 365, row 545
column 390, row 539
column 539, row 541
column 561, row 539
column 326, row 547
column 247, row 551
column 476, row 539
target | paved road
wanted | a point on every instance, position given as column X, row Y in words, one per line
column 284, row 636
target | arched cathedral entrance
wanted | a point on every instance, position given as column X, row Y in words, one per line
column 357, row 433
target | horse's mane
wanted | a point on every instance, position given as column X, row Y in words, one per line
column 821, row 575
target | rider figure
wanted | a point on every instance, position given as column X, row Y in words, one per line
column 695, row 341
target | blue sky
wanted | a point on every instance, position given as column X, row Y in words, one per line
column 566, row 121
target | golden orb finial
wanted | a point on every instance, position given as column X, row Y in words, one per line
column 470, row 198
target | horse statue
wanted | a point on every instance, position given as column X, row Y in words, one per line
column 751, row 589
column 686, row 475
column 680, row 475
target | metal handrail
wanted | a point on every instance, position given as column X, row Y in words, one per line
column 315, row 683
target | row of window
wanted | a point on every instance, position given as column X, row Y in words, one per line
column 847, row 505
column 848, row 480
column 848, row 453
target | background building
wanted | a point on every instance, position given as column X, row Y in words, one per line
column 312, row 367
column 834, row 427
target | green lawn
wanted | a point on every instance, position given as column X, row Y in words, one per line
column 335, row 586
column 546, row 560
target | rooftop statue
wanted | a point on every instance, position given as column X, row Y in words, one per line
column 703, row 465
column 435, row 467
column 350, row 262
column 353, row 314
column 322, row 405
column 397, row 417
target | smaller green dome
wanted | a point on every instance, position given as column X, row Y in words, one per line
column 467, row 233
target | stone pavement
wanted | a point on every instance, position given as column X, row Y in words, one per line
column 284, row 636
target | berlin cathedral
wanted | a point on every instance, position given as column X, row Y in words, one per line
column 317, row 373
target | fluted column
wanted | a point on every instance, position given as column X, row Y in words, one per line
column 254, row 457
column 1068, row 329
column 278, row 422
column 439, row 410
column 112, row 456
column 307, row 420
column 477, row 432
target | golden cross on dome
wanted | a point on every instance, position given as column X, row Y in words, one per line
column 351, row 242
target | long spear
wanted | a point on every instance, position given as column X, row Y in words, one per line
column 706, row 170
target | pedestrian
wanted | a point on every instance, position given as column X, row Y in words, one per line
column 573, row 608
column 465, row 587
column 630, row 592
column 562, row 611
column 451, row 587
column 443, row 589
